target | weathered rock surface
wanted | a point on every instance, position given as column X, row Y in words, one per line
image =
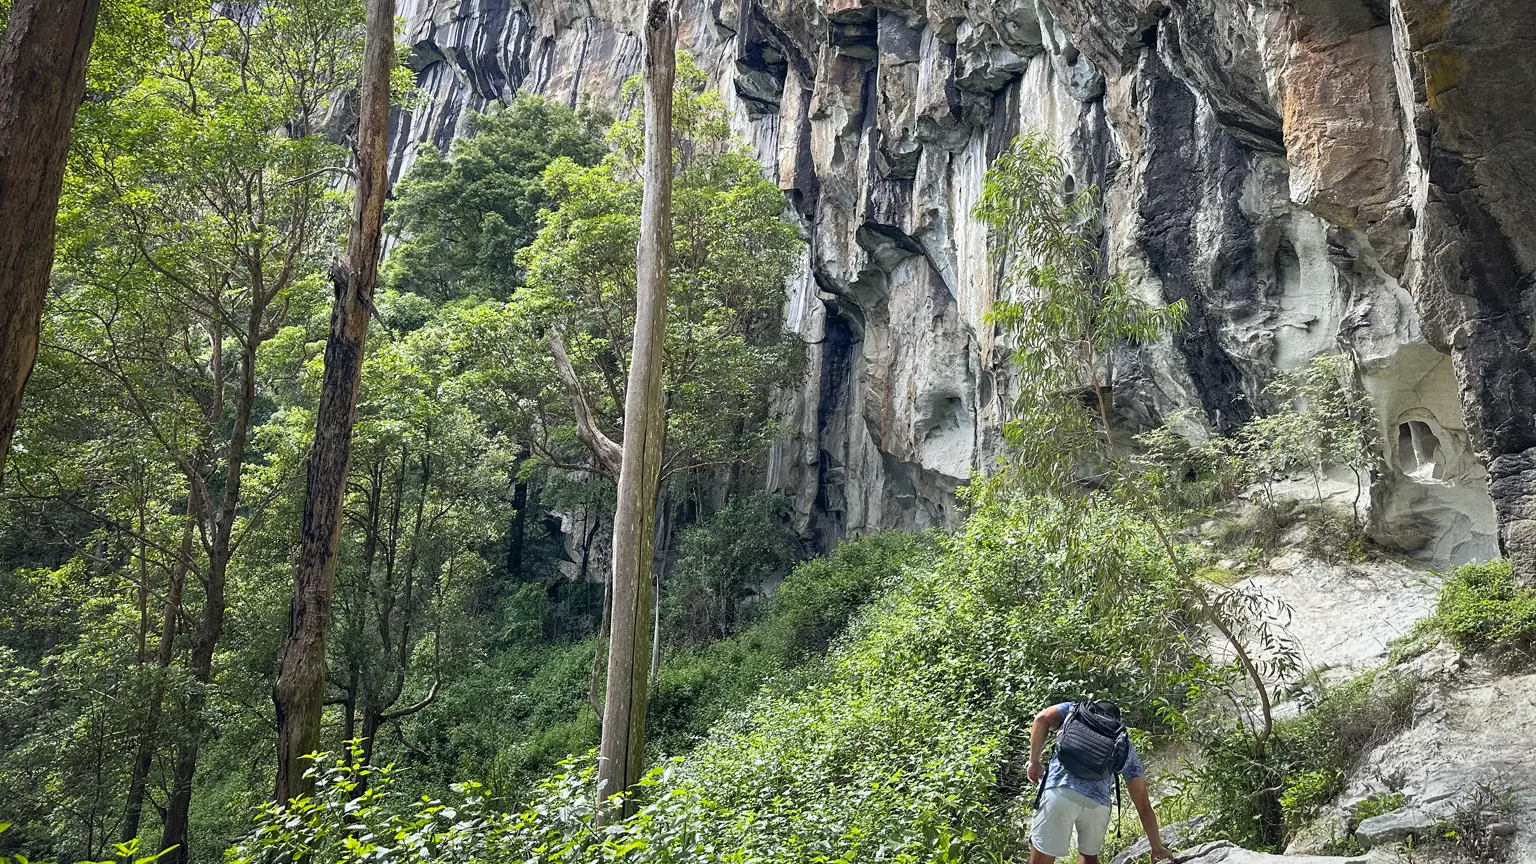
column 1473, row 727
column 1394, row 827
column 1345, row 617
column 1308, row 175
column 1222, row 852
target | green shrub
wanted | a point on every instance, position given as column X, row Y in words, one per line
column 725, row 563
column 1483, row 608
column 1306, row 763
column 905, row 741
column 699, row 684
column 1375, row 805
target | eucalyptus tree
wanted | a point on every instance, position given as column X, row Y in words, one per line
column 300, row 686
column 1063, row 313
column 621, row 759
column 730, row 256
column 463, row 217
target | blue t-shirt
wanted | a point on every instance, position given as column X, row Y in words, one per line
column 1102, row 791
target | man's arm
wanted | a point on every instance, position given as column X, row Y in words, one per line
column 1137, row 786
column 1045, row 721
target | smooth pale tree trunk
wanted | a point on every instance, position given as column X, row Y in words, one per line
column 301, row 676
column 622, row 755
column 42, row 79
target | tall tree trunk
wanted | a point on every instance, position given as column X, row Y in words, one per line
column 133, row 809
column 220, row 549
column 301, row 677
column 658, row 567
column 622, row 756
column 42, row 78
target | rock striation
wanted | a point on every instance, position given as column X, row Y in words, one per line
column 1308, row 175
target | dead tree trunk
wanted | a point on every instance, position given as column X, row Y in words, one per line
column 301, row 677
column 42, row 78
column 622, row 757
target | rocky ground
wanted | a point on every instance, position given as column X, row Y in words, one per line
column 1344, row 617
column 1472, row 741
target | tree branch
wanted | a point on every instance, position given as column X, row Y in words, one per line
column 412, row 709
column 609, row 455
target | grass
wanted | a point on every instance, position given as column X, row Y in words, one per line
column 1260, row 527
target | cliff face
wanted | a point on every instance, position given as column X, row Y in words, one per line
column 1309, row 175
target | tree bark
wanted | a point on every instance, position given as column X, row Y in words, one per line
column 301, row 676
column 608, row 454
column 42, row 79
column 517, row 532
column 622, row 755
column 220, row 549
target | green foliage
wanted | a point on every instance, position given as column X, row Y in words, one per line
column 905, row 746
column 195, row 226
column 1306, row 768
column 722, row 564
column 1379, row 804
column 465, row 217
column 1189, row 474
column 700, row 684
column 123, row 853
column 1324, row 419
column 1484, row 608
column 1060, row 313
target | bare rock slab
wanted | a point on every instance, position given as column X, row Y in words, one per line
column 1223, row 852
column 1394, row 827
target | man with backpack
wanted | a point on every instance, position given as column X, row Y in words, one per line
column 1093, row 751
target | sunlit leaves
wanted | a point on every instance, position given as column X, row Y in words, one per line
column 1060, row 313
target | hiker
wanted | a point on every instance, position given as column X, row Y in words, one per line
column 1092, row 752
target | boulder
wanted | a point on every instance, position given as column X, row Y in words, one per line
column 1173, row 835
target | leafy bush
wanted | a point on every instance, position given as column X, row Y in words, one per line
column 698, row 685
column 725, row 563
column 1375, row 805
column 1306, row 767
column 1483, row 608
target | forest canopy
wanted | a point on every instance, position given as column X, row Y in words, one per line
column 147, row 525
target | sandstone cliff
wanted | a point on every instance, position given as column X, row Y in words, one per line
column 1309, row 175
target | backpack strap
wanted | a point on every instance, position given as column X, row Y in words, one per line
column 1119, row 809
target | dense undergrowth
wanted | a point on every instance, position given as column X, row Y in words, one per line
column 530, row 704
column 906, row 743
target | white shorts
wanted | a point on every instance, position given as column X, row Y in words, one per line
column 1061, row 810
